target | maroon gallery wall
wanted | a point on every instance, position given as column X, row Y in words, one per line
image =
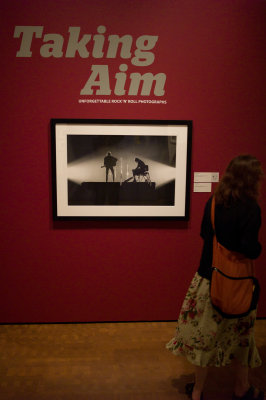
column 213, row 56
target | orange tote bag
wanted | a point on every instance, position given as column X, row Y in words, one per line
column 234, row 289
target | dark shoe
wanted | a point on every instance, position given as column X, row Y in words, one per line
column 189, row 390
column 250, row 395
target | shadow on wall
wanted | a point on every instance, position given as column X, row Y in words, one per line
column 121, row 224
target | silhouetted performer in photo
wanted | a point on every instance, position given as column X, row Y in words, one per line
column 109, row 164
column 140, row 170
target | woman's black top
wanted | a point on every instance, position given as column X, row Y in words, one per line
column 237, row 227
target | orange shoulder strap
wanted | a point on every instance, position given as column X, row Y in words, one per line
column 213, row 213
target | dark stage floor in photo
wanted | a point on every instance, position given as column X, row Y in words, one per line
column 125, row 193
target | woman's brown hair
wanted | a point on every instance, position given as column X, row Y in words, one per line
column 240, row 180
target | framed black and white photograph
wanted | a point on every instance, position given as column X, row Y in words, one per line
column 120, row 168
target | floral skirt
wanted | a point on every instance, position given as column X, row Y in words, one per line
column 208, row 339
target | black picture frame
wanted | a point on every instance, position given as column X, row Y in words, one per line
column 148, row 170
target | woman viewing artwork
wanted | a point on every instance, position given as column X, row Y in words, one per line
column 203, row 335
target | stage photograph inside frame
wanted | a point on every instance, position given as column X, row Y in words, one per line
column 120, row 168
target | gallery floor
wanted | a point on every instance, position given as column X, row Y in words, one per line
column 104, row 361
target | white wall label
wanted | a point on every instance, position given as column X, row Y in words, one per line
column 202, row 187
column 206, row 176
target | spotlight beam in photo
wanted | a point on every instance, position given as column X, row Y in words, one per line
column 90, row 168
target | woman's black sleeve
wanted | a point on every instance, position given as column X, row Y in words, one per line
column 250, row 245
